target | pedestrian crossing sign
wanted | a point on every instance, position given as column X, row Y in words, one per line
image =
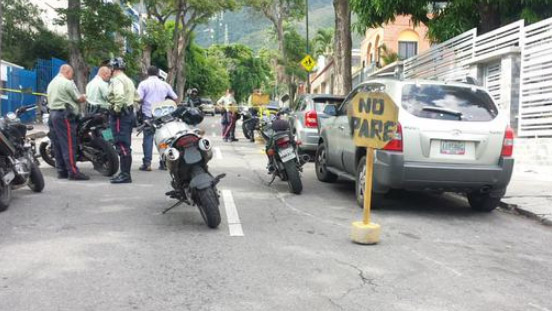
column 308, row 63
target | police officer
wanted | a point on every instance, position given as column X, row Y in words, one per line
column 121, row 99
column 63, row 101
column 96, row 92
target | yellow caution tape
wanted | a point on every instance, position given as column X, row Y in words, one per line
column 24, row 91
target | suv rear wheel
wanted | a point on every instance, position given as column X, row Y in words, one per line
column 360, row 185
column 483, row 202
column 321, row 163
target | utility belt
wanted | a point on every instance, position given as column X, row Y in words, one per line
column 95, row 109
column 68, row 113
column 127, row 110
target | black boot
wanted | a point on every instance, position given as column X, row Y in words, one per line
column 124, row 176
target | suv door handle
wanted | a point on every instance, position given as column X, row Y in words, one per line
column 341, row 127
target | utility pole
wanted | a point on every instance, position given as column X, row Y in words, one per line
column 307, row 21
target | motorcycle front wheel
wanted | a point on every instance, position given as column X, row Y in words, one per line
column 36, row 180
column 47, row 153
column 5, row 193
column 107, row 162
column 245, row 130
column 208, row 205
column 293, row 178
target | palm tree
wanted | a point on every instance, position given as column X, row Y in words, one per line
column 324, row 41
column 387, row 56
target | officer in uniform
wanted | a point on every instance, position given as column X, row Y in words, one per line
column 121, row 96
column 63, row 101
column 193, row 98
column 96, row 92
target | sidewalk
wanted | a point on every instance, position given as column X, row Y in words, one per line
column 530, row 193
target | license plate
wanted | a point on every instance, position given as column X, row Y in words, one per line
column 192, row 155
column 287, row 154
column 107, row 135
column 453, row 147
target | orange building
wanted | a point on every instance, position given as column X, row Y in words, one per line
column 399, row 36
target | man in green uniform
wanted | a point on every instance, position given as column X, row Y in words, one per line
column 96, row 92
column 121, row 96
column 63, row 101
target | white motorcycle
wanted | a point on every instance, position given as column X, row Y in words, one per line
column 186, row 153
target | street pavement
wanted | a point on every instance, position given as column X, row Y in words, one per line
column 95, row 246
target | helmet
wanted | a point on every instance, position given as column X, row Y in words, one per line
column 117, row 63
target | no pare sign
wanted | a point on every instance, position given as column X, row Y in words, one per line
column 373, row 119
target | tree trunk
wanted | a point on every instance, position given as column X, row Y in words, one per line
column 489, row 15
column 75, row 55
column 173, row 52
column 180, row 65
column 343, row 45
column 146, row 60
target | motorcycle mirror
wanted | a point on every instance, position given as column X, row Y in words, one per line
column 201, row 132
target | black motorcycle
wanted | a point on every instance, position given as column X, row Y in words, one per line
column 284, row 160
column 186, row 154
column 94, row 145
column 18, row 165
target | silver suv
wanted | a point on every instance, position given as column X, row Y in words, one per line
column 452, row 137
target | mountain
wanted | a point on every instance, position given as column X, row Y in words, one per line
column 246, row 26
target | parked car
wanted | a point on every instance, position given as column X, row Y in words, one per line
column 304, row 119
column 207, row 106
column 452, row 137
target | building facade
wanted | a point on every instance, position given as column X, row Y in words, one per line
column 400, row 36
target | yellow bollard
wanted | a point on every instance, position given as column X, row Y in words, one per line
column 365, row 231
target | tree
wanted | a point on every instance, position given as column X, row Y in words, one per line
column 96, row 30
column 387, row 55
column 446, row 19
column 188, row 14
column 25, row 37
column 343, row 45
column 279, row 12
column 324, row 41
column 205, row 72
column 295, row 47
column 246, row 70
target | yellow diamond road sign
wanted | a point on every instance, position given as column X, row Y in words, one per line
column 308, row 63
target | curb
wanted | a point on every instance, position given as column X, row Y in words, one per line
column 519, row 210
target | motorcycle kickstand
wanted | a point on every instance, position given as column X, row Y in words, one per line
column 173, row 206
column 272, row 180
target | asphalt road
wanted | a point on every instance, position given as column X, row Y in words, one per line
column 95, row 246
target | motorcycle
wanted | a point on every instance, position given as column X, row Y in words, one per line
column 250, row 123
column 186, row 154
column 18, row 165
column 94, row 138
column 284, row 160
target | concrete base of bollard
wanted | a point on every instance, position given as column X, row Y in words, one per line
column 365, row 234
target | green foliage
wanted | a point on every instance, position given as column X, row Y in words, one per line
column 246, row 70
column 323, row 42
column 105, row 28
column 205, row 72
column 25, row 37
column 388, row 56
column 296, row 50
column 450, row 18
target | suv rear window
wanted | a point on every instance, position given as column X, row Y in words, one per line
column 321, row 103
column 447, row 102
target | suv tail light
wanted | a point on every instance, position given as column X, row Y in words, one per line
column 311, row 119
column 397, row 143
column 508, row 144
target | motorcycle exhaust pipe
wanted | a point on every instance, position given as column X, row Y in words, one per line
column 171, row 155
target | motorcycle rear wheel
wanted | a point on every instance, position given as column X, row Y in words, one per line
column 245, row 131
column 47, row 153
column 208, row 205
column 36, row 180
column 109, row 163
column 293, row 178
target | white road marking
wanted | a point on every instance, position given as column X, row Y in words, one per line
column 538, row 307
column 214, row 134
column 443, row 265
column 234, row 224
column 218, row 153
